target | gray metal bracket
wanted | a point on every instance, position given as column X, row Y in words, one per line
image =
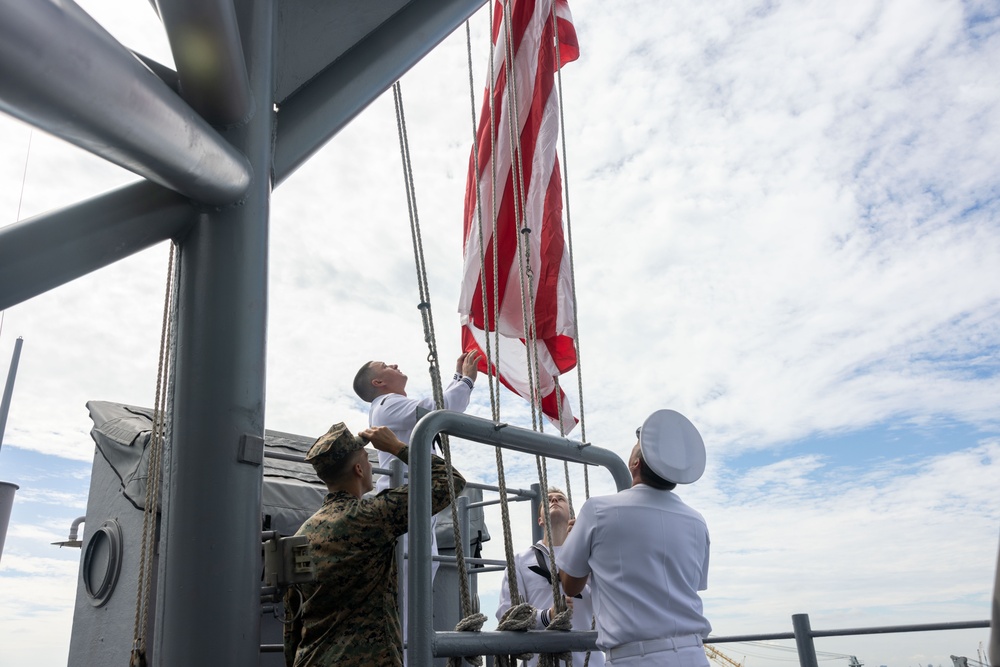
column 251, row 450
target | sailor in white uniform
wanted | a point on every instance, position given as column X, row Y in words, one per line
column 534, row 582
column 384, row 386
column 646, row 553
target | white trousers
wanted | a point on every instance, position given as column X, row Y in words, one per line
column 691, row 656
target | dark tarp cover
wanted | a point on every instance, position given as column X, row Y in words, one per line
column 291, row 491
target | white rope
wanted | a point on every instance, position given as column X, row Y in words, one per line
column 471, row 621
column 513, row 620
column 137, row 657
column 572, row 274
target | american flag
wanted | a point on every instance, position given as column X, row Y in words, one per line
column 532, row 201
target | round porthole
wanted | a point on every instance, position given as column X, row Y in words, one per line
column 102, row 561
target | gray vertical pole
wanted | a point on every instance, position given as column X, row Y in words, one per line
column 462, row 514
column 419, row 598
column 804, row 640
column 537, row 532
column 8, row 389
column 208, row 591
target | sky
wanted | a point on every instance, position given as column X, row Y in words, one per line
column 786, row 225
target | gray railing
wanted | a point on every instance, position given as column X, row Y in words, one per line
column 803, row 634
column 423, row 642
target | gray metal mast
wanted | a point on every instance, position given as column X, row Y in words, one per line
column 7, row 489
column 209, row 190
column 211, row 523
column 8, row 390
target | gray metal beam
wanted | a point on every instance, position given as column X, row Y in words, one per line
column 208, row 584
column 205, row 42
column 62, row 72
column 312, row 115
column 165, row 74
column 804, row 640
column 46, row 251
column 456, row 644
column 536, row 505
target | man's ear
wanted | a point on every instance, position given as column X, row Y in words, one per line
column 377, row 382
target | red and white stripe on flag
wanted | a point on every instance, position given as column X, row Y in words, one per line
column 532, row 71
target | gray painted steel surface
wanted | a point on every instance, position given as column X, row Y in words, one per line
column 314, row 33
column 108, row 102
column 103, row 635
column 52, row 249
column 207, row 588
column 536, row 506
column 804, row 640
column 315, row 113
column 422, row 642
column 205, row 42
column 208, row 593
column 454, row 644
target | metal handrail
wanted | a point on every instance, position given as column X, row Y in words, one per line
column 849, row 632
column 586, row 641
column 422, row 641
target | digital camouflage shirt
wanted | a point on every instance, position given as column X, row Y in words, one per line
column 348, row 615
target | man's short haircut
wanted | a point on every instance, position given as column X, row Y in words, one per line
column 363, row 383
column 337, row 471
column 552, row 489
column 650, row 478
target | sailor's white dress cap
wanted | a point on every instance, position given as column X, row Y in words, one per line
column 672, row 447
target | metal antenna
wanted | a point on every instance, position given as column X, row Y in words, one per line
column 9, row 388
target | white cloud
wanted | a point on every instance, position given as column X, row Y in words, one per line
column 37, row 613
column 785, row 223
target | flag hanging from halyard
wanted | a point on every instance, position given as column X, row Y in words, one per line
column 528, row 192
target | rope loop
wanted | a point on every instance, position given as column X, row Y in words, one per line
column 471, row 623
column 561, row 622
column 519, row 618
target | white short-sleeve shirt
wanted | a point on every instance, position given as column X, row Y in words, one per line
column 647, row 556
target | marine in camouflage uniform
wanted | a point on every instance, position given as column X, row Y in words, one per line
column 348, row 616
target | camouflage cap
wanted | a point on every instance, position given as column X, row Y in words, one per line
column 332, row 446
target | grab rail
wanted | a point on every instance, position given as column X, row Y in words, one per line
column 422, row 641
